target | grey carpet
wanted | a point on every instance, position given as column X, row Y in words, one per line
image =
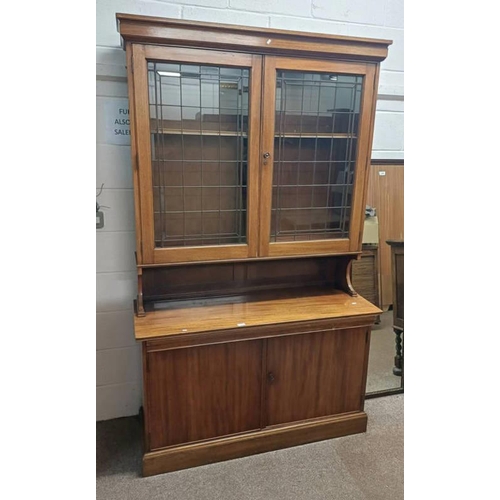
column 365, row 466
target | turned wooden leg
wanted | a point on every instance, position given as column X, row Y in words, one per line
column 398, row 359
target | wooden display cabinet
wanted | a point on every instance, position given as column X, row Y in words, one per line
column 250, row 153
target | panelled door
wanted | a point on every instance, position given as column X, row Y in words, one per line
column 197, row 123
column 315, row 145
column 315, row 374
column 203, row 392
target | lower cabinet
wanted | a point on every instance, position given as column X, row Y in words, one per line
column 207, row 403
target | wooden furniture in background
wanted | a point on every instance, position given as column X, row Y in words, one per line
column 250, row 153
column 386, row 194
column 365, row 274
column 397, row 264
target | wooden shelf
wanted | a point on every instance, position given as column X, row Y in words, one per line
column 313, row 135
column 237, row 133
column 264, row 308
column 178, row 131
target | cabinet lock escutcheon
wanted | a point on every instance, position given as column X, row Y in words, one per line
column 270, row 377
column 266, row 155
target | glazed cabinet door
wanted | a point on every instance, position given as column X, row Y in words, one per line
column 316, row 374
column 316, row 144
column 202, row 392
column 196, row 118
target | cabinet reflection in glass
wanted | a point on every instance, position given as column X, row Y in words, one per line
column 199, row 141
column 316, row 130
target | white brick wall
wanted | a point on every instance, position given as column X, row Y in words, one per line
column 351, row 11
column 118, row 356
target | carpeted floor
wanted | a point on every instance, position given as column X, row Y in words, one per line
column 365, row 466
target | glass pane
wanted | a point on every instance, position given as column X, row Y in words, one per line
column 199, row 125
column 315, row 145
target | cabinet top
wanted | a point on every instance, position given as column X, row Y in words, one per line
column 165, row 31
column 273, row 307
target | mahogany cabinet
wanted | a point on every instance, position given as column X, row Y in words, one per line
column 250, row 154
column 201, row 392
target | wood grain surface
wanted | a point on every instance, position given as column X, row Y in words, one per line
column 365, row 275
column 182, row 317
column 386, row 194
column 203, row 392
column 217, row 450
column 315, row 375
column 154, row 30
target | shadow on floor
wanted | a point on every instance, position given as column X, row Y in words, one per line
column 119, row 446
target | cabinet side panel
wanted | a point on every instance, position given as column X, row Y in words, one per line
column 203, row 392
column 315, row 375
column 133, row 148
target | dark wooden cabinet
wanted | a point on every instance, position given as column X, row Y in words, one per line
column 250, row 155
column 398, row 295
column 398, row 290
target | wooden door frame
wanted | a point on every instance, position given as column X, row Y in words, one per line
column 141, row 54
column 365, row 136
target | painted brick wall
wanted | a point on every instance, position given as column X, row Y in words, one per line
column 119, row 381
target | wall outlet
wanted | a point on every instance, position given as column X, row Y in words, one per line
column 99, row 220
